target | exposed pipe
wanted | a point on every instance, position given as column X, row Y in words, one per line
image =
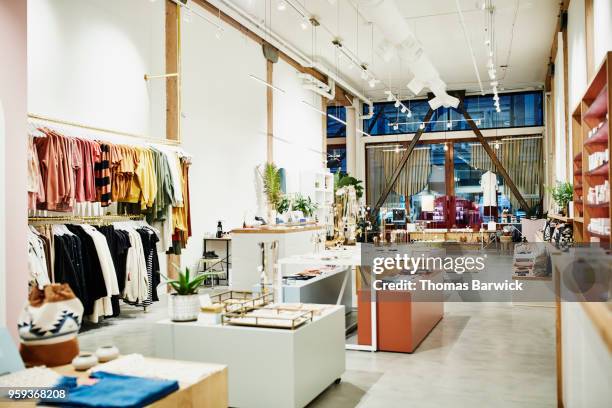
column 277, row 41
column 397, row 33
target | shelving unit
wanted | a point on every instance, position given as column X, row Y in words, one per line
column 589, row 114
column 319, row 186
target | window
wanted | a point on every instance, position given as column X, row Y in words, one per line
column 517, row 110
column 420, row 187
column 336, row 158
column 335, row 128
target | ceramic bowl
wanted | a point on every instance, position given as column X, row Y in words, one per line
column 84, row 361
column 107, row 353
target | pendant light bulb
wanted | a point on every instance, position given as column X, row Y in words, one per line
column 281, row 6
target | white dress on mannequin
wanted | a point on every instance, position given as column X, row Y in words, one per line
column 488, row 183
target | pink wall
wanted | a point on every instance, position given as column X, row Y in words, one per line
column 13, row 87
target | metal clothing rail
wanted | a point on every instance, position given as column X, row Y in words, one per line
column 103, row 130
column 85, row 219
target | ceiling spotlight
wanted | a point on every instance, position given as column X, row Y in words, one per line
column 404, row 109
column 422, row 126
column 487, row 42
column 494, row 84
column 495, row 97
column 282, row 5
column 397, row 148
column 478, row 122
column 449, row 124
column 409, row 114
column 396, row 127
column 389, row 96
column 305, row 23
column 445, row 147
column 372, row 83
column 496, row 145
column 397, row 104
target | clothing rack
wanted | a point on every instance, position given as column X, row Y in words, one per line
column 108, row 219
column 103, row 130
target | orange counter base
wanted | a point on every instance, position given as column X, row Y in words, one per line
column 403, row 318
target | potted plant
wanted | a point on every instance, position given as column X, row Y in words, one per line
column 184, row 303
column 562, row 193
column 272, row 188
column 304, row 204
column 343, row 180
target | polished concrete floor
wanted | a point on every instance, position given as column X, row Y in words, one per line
column 479, row 355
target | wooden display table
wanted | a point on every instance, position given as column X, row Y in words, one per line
column 209, row 392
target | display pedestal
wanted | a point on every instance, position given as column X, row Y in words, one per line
column 267, row 367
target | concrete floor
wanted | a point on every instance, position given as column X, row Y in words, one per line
column 479, row 355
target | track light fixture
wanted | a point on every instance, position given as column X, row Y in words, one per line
column 398, row 104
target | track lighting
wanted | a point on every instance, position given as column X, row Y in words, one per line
column 422, row 126
column 389, row 96
column 409, row 114
column 396, row 127
column 449, row 124
column 397, row 104
column 404, row 109
column 281, row 6
column 305, row 23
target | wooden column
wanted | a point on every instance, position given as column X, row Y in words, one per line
column 589, row 38
column 493, row 157
column 173, row 95
column 402, row 162
column 270, row 112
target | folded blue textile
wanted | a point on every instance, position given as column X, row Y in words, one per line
column 112, row 391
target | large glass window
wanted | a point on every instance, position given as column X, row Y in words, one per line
column 334, row 127
column 420, row 188
column 517, row 110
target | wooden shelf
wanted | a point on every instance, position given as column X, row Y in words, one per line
column 579, row 220
column 601, row 171
column 599, row 141
column 600, row 205
column 604, row 237
column 578, row 158
column 598, row 109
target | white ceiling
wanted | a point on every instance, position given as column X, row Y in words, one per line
column 523, row 35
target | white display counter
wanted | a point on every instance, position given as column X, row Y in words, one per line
column 266, row 367
column 246, row 254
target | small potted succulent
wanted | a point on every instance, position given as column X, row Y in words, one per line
column 184, row 302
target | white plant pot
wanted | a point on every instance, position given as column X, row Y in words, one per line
column 183, row 308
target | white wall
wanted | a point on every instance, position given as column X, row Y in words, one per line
column 576, row 47
column 560, row 122
column 602, row 28
column 87, row 61
column 223, row 127
column 298, row 129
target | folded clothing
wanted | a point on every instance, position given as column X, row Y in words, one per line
column 112, row 390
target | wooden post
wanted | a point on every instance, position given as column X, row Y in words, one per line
column 449, row 179
column 402, row 162
column 270, row 111
column 173, row 95
column 493, row 156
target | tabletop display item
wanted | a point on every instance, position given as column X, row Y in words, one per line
column 48, row 326
column 107, row 353
column 184, row 303
column 241, row 301
column 84, row 361
column 275, row 318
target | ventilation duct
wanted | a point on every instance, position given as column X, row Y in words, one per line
column 398, row 36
